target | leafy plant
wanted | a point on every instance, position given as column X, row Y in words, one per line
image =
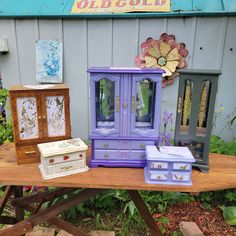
column 165, row 136
column 229, row 214
column 6, row 132
column 218, row 145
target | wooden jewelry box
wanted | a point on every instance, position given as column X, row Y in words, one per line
column 170, row 165
column 62, row 158
column 40, row 113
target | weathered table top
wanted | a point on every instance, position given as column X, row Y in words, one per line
column 222, row 175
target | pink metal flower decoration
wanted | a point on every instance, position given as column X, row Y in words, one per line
column 165, row 54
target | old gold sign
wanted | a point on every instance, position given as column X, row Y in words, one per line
column 119, row 6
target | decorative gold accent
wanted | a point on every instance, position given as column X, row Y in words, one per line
column 106, row 155
column 132, row 103
column 117, row 103
column 66, row 167
column 186, row 111
column 142, row 145
column 30, row 152
column 40, row 117
column 179, row 105
column 203, row 105
column 44, row 117
column 105, row 145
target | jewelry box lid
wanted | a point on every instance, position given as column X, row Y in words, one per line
column 61, row 147
column 169, row 153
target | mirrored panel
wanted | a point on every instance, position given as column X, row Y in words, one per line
column 184, row 107
column 145, row 104
column 203, row 108
column 105, row 103
column 196, row 148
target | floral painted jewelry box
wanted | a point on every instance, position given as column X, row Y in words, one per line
column 168, row 165
column 62, row 158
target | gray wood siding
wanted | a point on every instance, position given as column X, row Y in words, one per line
column 115, row 42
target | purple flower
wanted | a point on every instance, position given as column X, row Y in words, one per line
column 165, row 139
column 167, row 117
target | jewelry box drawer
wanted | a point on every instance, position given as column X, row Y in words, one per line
column 27, row 154
column 158, row 175
column 65, row 167
column 106, row 144
column 140, row 144
column 119, row 154
column 157, row 165
column 181, row 176
column 122, row 144
column 106, row 154
column 181, row 166
column 65, row 158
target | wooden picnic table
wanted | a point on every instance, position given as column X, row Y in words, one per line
column 222, row 175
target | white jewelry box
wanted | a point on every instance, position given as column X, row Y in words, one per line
column 62, row 158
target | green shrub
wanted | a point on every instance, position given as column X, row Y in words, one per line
column 218, row 145
column 6, row 132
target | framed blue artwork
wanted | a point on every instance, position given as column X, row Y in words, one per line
column 49, row 61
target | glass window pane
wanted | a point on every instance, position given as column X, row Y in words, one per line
column 186, row 107
column 145, row 104
column 203, row 108
column 55, row 116
column 195, row 147
column 27, row 117
column 105, row 96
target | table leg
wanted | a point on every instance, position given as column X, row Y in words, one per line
column 3, row 202
column 50, row 213
column 18, row 192
column 144, row 212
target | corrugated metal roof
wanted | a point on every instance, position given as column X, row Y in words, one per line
column 62, row 8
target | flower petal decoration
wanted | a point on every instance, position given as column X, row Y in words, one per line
column 164, row 49
column 164, row 53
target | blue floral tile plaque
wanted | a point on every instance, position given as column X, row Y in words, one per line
column 49, row 61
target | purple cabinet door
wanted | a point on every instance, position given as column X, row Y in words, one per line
column 105, row 104
column 145, row 105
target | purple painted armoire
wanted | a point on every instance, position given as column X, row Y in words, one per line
column 125, row 114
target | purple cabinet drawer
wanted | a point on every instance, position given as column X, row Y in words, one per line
column 106, row 154
column 140, row 144
column 119, row 154
column 106, row 144
column 122, row 144
column 137, row 155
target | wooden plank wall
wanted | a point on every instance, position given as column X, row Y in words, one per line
column 115, row 42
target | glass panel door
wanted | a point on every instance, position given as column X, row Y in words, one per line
column 26, row 109
column 105, row 104
column 55, row 110
column 145, row 104
column 184, row 107
column 203, row 108
column 27, row 117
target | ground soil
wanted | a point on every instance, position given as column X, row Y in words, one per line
column 210, row 221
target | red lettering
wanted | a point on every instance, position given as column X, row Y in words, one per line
column 145, row 3
column 120, row 3
column 106, row 4
column 160, row 2
column 134, row 2
column 82, row 4
column 92, row 4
